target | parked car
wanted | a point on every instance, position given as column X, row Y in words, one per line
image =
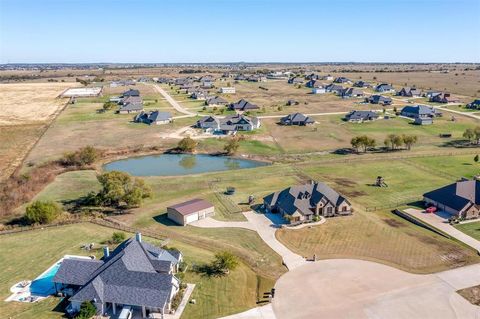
column 126, row 313
column 431, row 210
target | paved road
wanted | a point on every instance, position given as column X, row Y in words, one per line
column 442, row 224
column 264, row 312
column 265, row 225
column 344, row 288
column 460, row 113
column 172, row 102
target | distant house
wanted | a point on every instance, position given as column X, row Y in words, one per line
column 257, row 78
column 312, row 76
column 334, row 88
column 443, row 98
column 460, row 199
column 351, row 92
column 474, row 105
column 302, row 202
column 410, row 92
column 207, row 83
column 190, row 211
column 295, row 80
column 326, row 77
column 379, row 99
column 229, row 124
column 243, row 105
column 135, row 274
column 431, row 93
column 318, row 90
column 361, row 84
column 296, row 119
column 131, row 92
column 216, row 101
column 422, row 114
column 199, row 95
column 240, row 77
column 292, row 102
column 130, row 108
column 153, row 118
column 134, row 99
column 227, row 90
column 342, row 79
column 361, row 116
column 384, row 88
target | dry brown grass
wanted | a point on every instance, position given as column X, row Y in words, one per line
column 375, row 237
column 472, row 294
column 30, row 102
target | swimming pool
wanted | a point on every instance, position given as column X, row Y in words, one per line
column 43, row 284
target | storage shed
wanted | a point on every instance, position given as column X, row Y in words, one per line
column 190, row 211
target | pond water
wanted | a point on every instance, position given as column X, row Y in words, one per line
column 178, row 164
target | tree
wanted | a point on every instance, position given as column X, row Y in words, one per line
column 109, row 105
column 42, row 212
column 364, row 142
column 87, row 310
column 187, row 144
column 118, row 237
column 84, row 156
column 393, row 141
column 120, row 188
column 469, row 134
column 225, row 262
column 409, row 140
column 476, row 158
column 232, row 146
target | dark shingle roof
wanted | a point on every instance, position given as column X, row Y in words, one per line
column 243, row 105
column 361, row 115
column 457, row 195
column 303, row 198
column 131, row 92
column 131, row 275
column 76, row 271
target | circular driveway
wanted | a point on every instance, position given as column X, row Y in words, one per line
column 345, row 288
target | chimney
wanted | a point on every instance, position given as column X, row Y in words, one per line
column 106, row 252
column 138, row 237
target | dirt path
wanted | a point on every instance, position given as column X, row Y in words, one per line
column 173, row 103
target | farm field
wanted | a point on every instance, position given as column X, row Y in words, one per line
column 26, row 109
column 26, row 255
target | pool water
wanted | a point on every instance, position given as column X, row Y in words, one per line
column 179, row 164
column 43, row 285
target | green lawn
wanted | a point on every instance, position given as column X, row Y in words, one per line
column 26, row 255
column 471, row 229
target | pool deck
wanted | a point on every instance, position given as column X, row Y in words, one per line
column 22, row 293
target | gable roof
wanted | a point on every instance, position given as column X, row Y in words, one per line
column 361, row 115
column 131, row 107
column 303, row 198
column 76, row 271
column 216, row 100
column 243, row 105
column 296, row 118
column 419, row 110
column 131, row 92
column 191, row 206
column 457, row 195
column 130, row 275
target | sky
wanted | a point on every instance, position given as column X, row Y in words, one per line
column 200, row 31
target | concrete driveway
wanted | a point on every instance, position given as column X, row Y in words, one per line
column 439, row 221
column 265, row 225
column 344, row 288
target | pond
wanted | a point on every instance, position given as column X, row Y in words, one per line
column 178, row 164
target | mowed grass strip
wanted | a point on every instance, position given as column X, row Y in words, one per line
column 26, row 255
column 380, row 237
column 472, row 229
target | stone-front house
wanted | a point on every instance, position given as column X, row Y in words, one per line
column 135, row 274
column 296, row 119
column 460, row 199
column 301, row 203
column 410, row 92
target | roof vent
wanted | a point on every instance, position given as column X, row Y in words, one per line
column 138, row 237
column 106, row 252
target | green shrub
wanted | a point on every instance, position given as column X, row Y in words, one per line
column 87, row 310
column 42, row 212
column 118, row 237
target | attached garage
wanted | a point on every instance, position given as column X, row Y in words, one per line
column 190, row 211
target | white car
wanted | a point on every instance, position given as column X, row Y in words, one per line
column 126, row 313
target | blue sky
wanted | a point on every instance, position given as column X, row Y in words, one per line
column 239, row 30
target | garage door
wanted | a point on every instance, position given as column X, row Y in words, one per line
column 191, row 218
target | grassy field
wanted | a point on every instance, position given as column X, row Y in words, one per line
column 471, row 229
column 26, row 255
column 381, row 237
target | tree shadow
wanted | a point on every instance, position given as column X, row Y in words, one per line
column 460, row 144
column 208, row 270
column 61, row 306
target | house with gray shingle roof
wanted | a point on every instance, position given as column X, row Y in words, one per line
column 296, row 119
column 135, row 274
column 351, row 92
column 130, row 108
column 342, row 79
column 335, row 88
column 361, row 116
column 422, row 114
column 229, row 124
column 384, row 88
column 301, row 203
column 243, row 105
column 153, row 118
column 216, row 101
column 379, row 99
column 410, row 92
column 460, row 199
